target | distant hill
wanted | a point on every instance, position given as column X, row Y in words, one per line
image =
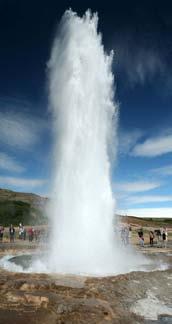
column 16, row 207
column 146, row 222
column 30, row 208
column 30, row 198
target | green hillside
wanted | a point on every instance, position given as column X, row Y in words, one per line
column 14, row 212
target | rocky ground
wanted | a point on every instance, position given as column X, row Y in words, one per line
column 137, row 297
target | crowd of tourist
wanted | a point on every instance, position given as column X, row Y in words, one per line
column 158, row 237
column 21, row 233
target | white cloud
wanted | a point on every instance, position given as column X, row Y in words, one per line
column 149, row 199
column 137, row 186
column 163, row 171
column 147, row 212
column 154, row 147
column 21, row 182
column 139, row 63
column 19, row 130
column 127, row 140
column 9, row 164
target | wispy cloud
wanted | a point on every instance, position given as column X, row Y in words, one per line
column 10, row 164
column 147, row 64
column 163, row 171
column 137, row 186
column 149, row 199
column 21, row 182
column 139, row 62
column 127, row 140
column 153, row 147
column 20, row 130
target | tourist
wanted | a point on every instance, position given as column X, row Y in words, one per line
column 161, row 230
column 141, row 241
column 141, row 237
column 166, row 233
column 12, row 233
column 20, row 231
column 1, row 233
column 140, row 232
column 164, row 238
column 151, row 237
column 130, row 234
column 31, row 233
column 158, row 236
column 37, row 234
column 123, row 235
column 126, row 235
column 24, row 234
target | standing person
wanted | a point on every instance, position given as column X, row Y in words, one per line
column 166, row 233
column 140, row 232
column 161, row 231
column 126, row 235
column 151, row 237
column 30, row 232
column 1, row 233
column 130, row 234
column 164, row 237
column 141, row 237
column 20, row 231
column 158, row 236
column 12, row 233
column 141, row 241
column 123, row 235
column 24, row 233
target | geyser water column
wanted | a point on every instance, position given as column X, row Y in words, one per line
column 84, row 117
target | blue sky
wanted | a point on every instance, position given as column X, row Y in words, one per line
column 140, row 36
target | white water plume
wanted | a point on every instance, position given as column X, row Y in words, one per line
column 81, row 87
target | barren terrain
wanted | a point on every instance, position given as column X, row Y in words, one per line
column 136, row 297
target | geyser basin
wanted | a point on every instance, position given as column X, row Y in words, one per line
column 35, row 263
column 25, row 261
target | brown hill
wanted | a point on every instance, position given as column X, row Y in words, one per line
column 146, row 222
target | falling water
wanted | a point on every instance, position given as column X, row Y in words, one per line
column 81, row 97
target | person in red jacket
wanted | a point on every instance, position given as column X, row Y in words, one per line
column 30, row 232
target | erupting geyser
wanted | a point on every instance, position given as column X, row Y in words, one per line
column 81, row 87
